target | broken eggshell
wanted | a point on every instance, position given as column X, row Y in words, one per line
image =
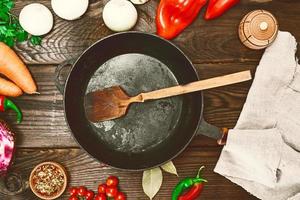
column 36, row 19
column 7, row 145
column 69, row 9
column 119, row 15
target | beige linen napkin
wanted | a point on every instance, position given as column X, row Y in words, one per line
column 262, row 153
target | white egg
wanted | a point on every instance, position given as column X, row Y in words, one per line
column 36, row 19
column 119, row 15
column 69, row 9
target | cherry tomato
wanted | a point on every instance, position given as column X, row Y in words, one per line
column 112, row 181
column 82, row 191
column 120, row 196
column 111, row 191
column 73, row 191
column 73, row 197
column 102, row 188
column 100, row 197
column 89, row 195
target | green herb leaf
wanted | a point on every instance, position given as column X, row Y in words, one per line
column 22, row 36
column 3, row 30
column 9, row 41
column 9, row 5
column 10, row 29
column 35, row 40
column 10, row 32
column 4, row 16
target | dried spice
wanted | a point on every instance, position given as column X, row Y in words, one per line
column 48, row 180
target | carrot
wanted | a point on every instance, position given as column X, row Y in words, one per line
column 13, row 68
column 8, row 88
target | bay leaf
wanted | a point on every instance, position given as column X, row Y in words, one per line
column 170, row 168
column 152, row 180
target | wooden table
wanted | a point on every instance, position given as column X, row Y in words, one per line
column 214, row 48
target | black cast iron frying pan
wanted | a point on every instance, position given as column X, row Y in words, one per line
column 151, row 133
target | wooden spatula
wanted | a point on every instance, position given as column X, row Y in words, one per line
column 113, row 102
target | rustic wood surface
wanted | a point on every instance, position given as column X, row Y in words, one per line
column 213, row 47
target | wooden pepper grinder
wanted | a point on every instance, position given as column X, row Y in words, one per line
column 258, row 29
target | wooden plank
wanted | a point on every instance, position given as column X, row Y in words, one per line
column 204, row 41
column 222, row 106
column 43, row 115
column 44, row 124
column 83, row 170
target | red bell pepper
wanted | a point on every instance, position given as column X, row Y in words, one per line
column 217, row 7
column 173, row 16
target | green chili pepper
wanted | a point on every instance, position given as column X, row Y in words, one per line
column 185, row 184
column 5, row 104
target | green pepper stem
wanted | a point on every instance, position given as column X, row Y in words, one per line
column 201, row 180
column 8, row 104
column 199, row 171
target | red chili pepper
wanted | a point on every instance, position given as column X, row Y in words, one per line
column 217, row 7
column 193, row 192
column 173, row 16
column 5, row 104
column 193, row 185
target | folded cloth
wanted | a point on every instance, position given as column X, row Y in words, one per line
column 262, row 153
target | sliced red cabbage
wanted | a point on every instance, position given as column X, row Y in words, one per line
column 7, row 145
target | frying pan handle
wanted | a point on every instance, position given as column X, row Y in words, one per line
column 61, row 84
column 220, row 134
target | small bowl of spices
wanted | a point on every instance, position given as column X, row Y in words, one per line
column 48, row 180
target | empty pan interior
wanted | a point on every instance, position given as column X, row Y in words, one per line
column 152, row 132
column 147, row 124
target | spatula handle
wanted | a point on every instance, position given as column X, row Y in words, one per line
column 198, row 85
